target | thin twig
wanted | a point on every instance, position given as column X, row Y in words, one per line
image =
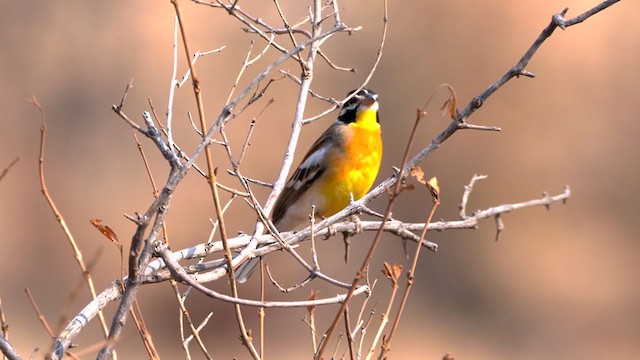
column 289, row 289
column 364, row 324
column 347, row 327
column 246, row 339
column 181, row 275
column 185, row 313
column 196, row 56
column 172, row 85
column 146, row 166
column 118, row 108
column 261, row 312
column 199, row 328
column 58, row 215
column 386, row 344
column 465, row 125
column 240, row 14
column 290, row 32
column 467, row 192
column 312, row 321
column 334, row 66
column 311, row 92
column 252, row 124
column 385, row 21
column 143, row 331
column 41, row 316
column 391, row 272
column 6, row 169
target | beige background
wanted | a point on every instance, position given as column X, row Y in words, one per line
column 561, row 284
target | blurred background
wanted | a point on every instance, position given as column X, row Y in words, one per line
column 558, row 285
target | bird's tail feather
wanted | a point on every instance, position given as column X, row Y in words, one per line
column 244, row 271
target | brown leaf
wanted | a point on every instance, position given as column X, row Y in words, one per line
column 387, row 270
column 450, row 106
column 433, row 186
column 417, row 173
column 392, row 272
column 106, row 231
column 397, row 270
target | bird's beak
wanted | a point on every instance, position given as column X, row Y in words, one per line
column 369, row 99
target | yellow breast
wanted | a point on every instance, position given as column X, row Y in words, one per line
column 354, row 169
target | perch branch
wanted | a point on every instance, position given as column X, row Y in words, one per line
column 154, row 272
column 8, row 350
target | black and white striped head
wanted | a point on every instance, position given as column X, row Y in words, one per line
column 365, row 99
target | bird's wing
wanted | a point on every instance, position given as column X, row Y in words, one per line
column 312, row 167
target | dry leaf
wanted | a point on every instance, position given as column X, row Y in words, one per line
column 106, row 231
column 387, row 270
column 417, row 173
column 431, row 184
column 392, row 272
column 450, row 106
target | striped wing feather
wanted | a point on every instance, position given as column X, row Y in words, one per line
column 310, row 169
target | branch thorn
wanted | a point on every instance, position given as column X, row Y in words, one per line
column 524, row 72
column 499, row 226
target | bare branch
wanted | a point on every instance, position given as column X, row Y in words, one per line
column 195, row 332
column 173, row 84
column 467, row 192
column 54, row 209
column 392, row 273
column 435, row 192
column 154, row 273
column 8, row 350
column 478, row 127
column 182, row 276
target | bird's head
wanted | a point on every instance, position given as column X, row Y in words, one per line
column 363, row 100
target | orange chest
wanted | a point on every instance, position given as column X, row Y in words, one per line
column 353, row 170
column 363, row 151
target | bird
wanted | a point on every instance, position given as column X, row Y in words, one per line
column 341, row 165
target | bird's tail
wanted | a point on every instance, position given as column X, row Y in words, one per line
column 244, row 271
